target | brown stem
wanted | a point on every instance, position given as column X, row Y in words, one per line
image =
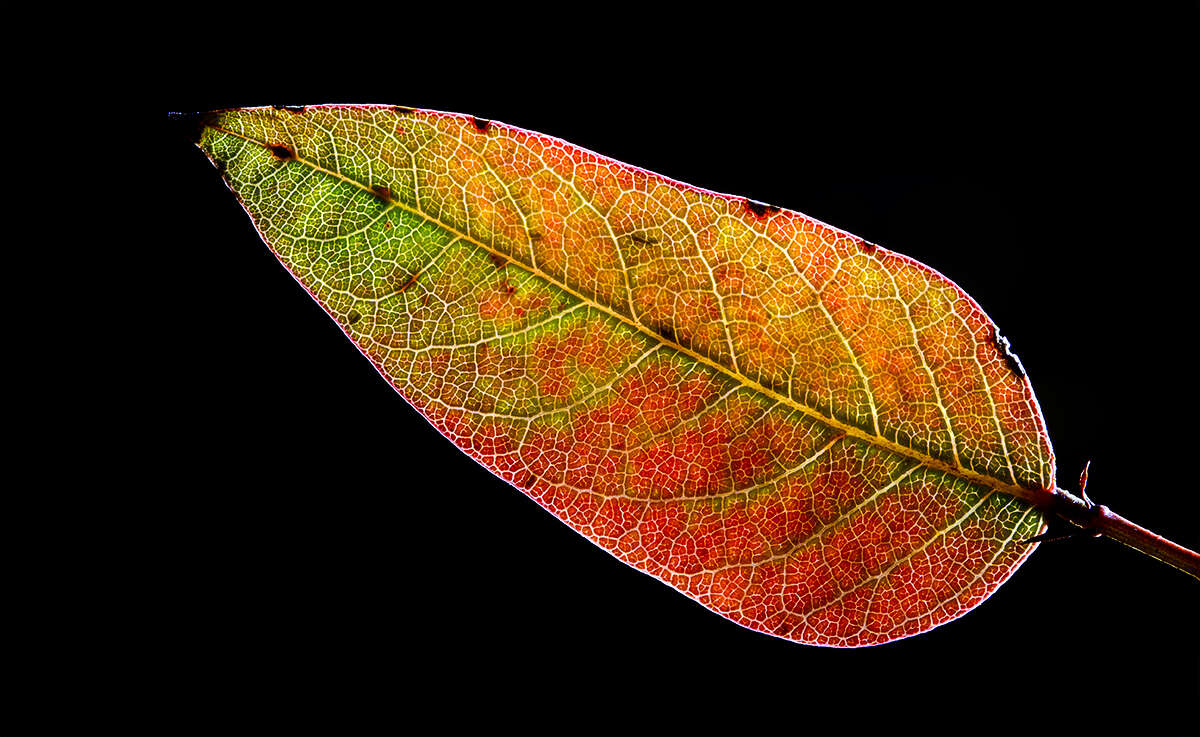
column 1103, row 521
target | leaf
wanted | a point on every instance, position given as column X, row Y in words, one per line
column 808, row 434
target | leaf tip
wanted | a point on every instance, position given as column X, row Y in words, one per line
column 190, row 125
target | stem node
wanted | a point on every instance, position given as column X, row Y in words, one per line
column 1102, row 521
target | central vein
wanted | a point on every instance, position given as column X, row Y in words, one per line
column 1032, row 496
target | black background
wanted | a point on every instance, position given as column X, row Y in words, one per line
column 298, row 551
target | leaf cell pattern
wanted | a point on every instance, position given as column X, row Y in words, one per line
column 810, row 435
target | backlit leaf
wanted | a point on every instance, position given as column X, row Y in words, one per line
column 810, row 435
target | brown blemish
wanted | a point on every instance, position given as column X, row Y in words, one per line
column 1010, row 358
column 382, row 192
column 353, row 317
column 645, row 241
column 406, row 285
column 762, row 268
column 535, row 236
column 868, row 247
column 481, row 124
column 295, row 109
column 760, row 210
column 784, row 628
column 402, row 110
column 282, row 152
column 497, row 260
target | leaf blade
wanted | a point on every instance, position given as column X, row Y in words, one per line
column 692, row 381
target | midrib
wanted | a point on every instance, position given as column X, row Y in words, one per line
column 1033, row 496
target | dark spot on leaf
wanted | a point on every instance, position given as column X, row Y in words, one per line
column 402, row 110
column 497, row 260
column 529, row 480
column 760, row 209
column 762, row 268
column 382, row 192
column 191, row 125
column 290, row 108
column 644, row 240
column 282, row 152
column 668, row 334
column 353, row 317
column 481, row 124
column 868, row 247
column 508, row 288
column 1010, row 358
column 411, row 281
column 535, row 236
